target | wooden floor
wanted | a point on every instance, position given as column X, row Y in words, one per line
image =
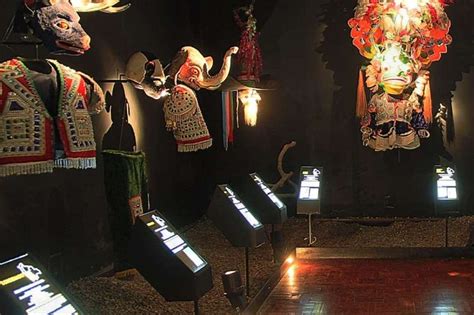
column 375, row 286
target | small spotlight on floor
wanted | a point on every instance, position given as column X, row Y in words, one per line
column 290, row 260
column 234, row 289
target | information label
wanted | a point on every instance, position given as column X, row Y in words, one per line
column 446, row 183
column 310, row 184
column 251, row 219
column 267, row 191
column 22, row 280
column 173, row 241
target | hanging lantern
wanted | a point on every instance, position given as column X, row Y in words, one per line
column 107, row 6
column 250, row 99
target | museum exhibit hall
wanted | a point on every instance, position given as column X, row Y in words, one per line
column 236, row 157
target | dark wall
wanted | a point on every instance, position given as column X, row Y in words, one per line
column 306, row 46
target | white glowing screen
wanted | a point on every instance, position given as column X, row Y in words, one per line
column 242, row 208
column 310, row 184
column 267, row 191
column 23, row 281
column 175, row 243
column 446, row 183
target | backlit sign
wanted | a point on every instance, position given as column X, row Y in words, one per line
column 175, row 244
column 446, row 183
column 241, row 207
column 28, row 290
column 310, row 184
column 267, row 191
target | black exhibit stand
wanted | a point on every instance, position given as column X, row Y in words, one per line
column 25, row 288
column 309, row 196
column 265, row 205
column 167, row 262
column 446, row 191
column 237, row 222
column 446, row 198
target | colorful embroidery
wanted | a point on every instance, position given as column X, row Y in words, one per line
column 27, row 129
column 136, row 207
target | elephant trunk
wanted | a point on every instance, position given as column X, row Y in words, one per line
column 213, row 82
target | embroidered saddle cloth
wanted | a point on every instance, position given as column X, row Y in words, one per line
column 184, row 117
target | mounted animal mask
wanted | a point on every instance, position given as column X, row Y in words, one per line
column 55, row 23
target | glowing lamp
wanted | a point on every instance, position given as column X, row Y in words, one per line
column 290, row 260
column 107, row 6
column 250, row 99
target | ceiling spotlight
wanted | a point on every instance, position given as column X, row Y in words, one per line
column 234, row 289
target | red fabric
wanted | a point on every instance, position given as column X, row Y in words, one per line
column 193, row 141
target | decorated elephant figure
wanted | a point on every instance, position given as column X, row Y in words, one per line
column 182, row 112
column 56, row 23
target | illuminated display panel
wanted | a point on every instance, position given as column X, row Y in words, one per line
column 174, row 242
column 310, row 184
column 267, row 191
column 446, row 183
column 22, row 280
column 242, row 208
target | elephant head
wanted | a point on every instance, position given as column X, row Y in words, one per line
column 56, row 23
column 192, row 68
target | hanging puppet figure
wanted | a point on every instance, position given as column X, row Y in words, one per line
column 395, row 116
column 401, row 38
column 250, row 55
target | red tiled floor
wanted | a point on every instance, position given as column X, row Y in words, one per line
column 375, row 286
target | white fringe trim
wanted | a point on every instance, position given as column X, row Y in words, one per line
column 80, row 163
column 26, row 168
column 195, row 147
column 46, row 167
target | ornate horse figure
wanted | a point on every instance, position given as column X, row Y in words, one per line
column 55, row 22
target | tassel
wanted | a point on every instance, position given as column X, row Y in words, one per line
column 427, row 104
column 361, row 106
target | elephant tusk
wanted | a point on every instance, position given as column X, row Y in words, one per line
column 113, row 10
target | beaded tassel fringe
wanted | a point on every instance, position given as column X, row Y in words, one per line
column 46, row 167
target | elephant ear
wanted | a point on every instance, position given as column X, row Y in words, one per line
column 209, row 62
column 178, row 61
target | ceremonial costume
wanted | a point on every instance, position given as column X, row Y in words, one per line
column 29, row 132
